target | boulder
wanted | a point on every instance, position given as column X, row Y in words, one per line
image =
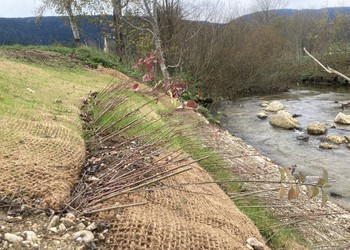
column 262, row 115
column 326, row 145
column 335, row 139
column 275, row 106
column 342, row 119
column 348, row 145
column 316, row 128
column 284, row 120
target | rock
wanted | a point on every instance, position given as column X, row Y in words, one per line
column 275, row 106
column 67, row 222
column 253, row 242
column 12, row 238
column 54, row 221
column 335, row 139
column 301, row 135
column 264, row 104
column 30, row 236
column 80, row 226
column 249, row 247
column 284, row 120
column 342, row 119
column 348, row 145
column 262, row 115
column 84, row 235
column 62, row 227
column 11, row 219
column 66, row 236
column 326, row 145
column 101, row 236
column 316, row 128
column 53, row 229
column 70, row 216
column 347, row 138
column 92, row 226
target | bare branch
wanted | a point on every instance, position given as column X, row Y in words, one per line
column 327, row 69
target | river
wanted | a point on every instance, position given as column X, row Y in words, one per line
column 282, row 145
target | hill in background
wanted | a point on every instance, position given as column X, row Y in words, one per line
column 51, row 30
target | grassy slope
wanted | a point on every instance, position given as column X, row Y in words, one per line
column 39, row 117
column 59, row 90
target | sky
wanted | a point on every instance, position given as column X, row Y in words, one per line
column 26, row 8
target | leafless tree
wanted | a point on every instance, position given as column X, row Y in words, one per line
column 64, row 7
column 266, row 9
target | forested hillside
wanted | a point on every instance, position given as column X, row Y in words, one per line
column 47, row 31
column 257, row 53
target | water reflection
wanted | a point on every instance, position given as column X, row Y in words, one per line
column 282, row 145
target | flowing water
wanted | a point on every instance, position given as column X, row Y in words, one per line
column 282, row 145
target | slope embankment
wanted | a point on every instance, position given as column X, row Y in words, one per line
column 43, row 151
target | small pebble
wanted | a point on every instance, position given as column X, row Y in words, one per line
column 54, row 221
column 53, row 229
column 70, row 216
column 62, row 227
column 80, row 226
column 84, row 235
column 92, row 226
column 67, row 222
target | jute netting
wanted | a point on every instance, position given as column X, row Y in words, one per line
column 39, row 160
column 189, row 217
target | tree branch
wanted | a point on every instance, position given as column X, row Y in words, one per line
column 327, row 69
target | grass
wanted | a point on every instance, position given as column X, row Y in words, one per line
column 90, row 56
column 264, row 219
column 57, row 97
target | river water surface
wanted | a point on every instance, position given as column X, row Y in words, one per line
column 282, row 145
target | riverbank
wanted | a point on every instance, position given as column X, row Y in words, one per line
column 325, row 227
column 198, row 217
column 167, row 211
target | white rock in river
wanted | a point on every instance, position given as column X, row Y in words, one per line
column 335, row 139
column 284, row 120
column 342, row 119
column 316, row 128
column 275, row 106
column 264, row 104
column 262, row 115
column 326, row 145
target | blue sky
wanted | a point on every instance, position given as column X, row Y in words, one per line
column 26, row 8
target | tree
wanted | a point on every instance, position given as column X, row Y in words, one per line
column 149, row 10
column 118, row 23
column 64, row 7
column 266, row 9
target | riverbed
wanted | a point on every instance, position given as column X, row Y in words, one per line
column 283, row 147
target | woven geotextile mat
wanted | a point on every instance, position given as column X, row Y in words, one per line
column 189, row 217
column 39, row 160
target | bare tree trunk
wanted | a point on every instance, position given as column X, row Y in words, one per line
column 118, row 27
column 73, row 24
column 158, row 41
